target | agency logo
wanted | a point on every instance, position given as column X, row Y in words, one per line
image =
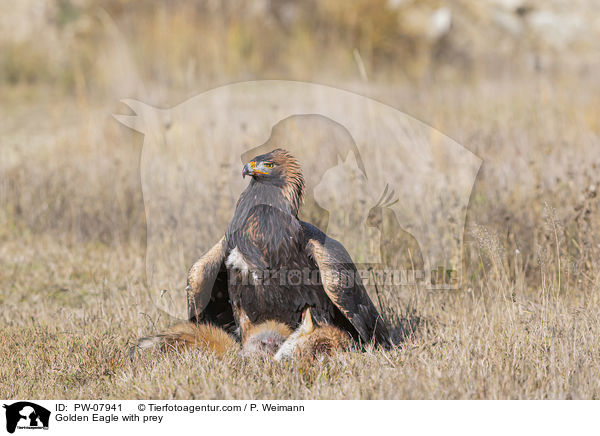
column 26, row 415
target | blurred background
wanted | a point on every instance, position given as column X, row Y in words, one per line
column 514, row 81
column 106, row 49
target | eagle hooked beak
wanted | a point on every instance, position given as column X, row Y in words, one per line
column 248, row 169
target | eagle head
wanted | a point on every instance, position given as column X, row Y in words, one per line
column 279, row 168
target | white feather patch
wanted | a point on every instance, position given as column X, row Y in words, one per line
column 236, row 260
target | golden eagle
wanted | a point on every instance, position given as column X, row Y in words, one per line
column 270, row 265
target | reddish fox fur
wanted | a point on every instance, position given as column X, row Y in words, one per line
column 265, row 337
column 190, row 335
column 270, row 337
column 309, row 342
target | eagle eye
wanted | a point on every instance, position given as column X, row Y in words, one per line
column 268, row 164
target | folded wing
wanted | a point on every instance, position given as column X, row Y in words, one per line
column 343, row 285
column 207, row 295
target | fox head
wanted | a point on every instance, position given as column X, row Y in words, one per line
column 265, row 338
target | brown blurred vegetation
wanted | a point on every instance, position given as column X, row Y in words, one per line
column 87, row 45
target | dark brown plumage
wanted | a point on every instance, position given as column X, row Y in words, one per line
column 251, row 274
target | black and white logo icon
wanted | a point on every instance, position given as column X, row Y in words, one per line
column 26, row 415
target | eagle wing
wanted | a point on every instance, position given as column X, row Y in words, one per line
column 343, row 285
column 207, row 295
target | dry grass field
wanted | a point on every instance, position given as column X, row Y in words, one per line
column 524, row 325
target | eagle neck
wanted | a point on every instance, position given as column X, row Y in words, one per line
column 281, row 197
